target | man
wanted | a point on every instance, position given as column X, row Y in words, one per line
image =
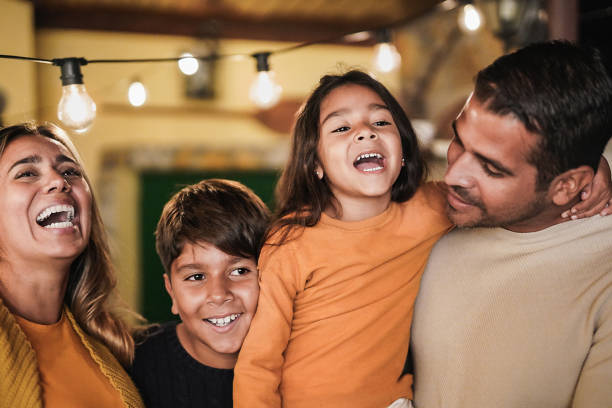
column 516, row 311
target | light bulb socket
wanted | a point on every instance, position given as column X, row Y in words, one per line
column 383, row 35
column 71, row 70
column 262, row 61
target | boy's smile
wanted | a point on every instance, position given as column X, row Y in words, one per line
column 215, row 294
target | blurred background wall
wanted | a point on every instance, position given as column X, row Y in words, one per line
column 192, row 127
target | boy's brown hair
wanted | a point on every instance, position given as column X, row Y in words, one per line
column 223, row 213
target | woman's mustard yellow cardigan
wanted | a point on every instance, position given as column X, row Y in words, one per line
column 19, row 378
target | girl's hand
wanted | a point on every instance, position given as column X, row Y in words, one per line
column 596, row 197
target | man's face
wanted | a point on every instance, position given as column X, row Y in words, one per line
column 491, row 183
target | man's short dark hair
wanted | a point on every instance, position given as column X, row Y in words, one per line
column 223, row 213
column 559, row 90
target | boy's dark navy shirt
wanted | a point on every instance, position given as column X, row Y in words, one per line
column 167, row 376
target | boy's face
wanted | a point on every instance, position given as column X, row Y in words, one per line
column 215, row 294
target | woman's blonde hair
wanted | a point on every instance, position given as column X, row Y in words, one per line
column 91, row 284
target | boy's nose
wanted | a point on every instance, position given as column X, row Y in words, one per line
column 219, row 291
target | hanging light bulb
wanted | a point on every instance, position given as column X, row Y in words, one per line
column 188, row 64
column 137, row 94
column 470, row 18
column 386, row 57
column 264, row 92
column 76, row 110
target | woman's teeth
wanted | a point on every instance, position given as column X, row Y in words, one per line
column 56, row 216
column 224, row 321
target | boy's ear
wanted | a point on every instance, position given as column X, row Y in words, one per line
column 566, row 186
column 168, row 286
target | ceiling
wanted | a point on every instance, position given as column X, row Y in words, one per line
column 291, row 20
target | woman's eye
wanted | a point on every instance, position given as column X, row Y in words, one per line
column 195, row 277
column 25, row 173
column 72, row 172
column 240, row 271
column 341, row 129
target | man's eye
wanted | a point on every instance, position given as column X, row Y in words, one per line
column 341, row 129
column 195, row 277
column 240, row 271
column 491, row 171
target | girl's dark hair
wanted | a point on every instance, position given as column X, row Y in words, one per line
column 301, row 197
column 223, row 213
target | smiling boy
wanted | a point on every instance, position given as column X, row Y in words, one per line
column 208, row 239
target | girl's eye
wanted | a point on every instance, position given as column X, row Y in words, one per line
column 195, row 277
column 341, row 129
column 382, row 123
column 239, row 271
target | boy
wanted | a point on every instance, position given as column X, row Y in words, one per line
column 208, row 239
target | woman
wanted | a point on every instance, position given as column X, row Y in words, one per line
column 60, row 345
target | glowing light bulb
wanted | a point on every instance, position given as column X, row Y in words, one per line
column 386, row 57
column 187, row 64
column 265, row 92
column 76, row 110
column 137, row 94
column 470, row 18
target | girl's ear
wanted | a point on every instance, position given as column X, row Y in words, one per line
column 319, row 171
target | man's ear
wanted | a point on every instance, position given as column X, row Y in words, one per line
column 566, row 186
column 168, row 286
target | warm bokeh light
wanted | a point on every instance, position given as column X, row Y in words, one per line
column 137, row 94
column 265, row 92
column 386, row 57
column 470, row 18
column 187, row 64
column 76, row 110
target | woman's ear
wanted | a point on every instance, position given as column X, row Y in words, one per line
column 568, row 185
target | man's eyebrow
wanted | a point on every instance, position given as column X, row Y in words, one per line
column 481, row 157
column 27, row 160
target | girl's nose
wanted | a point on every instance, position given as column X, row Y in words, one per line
column 361, row 136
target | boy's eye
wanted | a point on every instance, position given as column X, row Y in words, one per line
column 195, row 277
column 240, row 271
column 341, row 129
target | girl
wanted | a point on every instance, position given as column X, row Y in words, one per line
column 339, row 278
column 60, row 345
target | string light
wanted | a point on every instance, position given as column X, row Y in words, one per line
column 76, row 110
column 264, row 92
column 470, row 18
column 386, row 57
column 188, row 64
column 137, row 94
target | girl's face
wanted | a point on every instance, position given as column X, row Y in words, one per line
column 359, row 148
column 45, row 203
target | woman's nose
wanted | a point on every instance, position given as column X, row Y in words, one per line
column 57, row 182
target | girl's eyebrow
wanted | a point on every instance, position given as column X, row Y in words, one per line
column 372, row 106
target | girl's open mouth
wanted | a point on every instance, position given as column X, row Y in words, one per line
column 369, row 162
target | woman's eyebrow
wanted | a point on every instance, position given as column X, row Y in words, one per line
column 27, row 160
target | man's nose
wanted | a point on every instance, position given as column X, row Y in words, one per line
column 460, row 172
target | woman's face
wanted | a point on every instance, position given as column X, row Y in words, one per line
column 45, row 202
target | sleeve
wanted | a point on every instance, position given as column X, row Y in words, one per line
column 258, row 372
column 594, row 384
